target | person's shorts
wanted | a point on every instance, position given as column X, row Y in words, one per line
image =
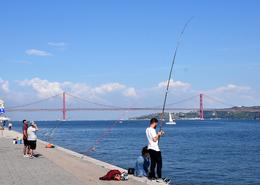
column 25, row 142
column 32, row 145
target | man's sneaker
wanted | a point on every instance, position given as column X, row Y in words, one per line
column 151, row 178
column 26, row 156
column 159, row 180
column 166, row 180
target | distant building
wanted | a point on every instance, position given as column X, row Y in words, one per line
column 3, row 119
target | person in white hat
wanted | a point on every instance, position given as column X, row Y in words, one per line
column 32, row 137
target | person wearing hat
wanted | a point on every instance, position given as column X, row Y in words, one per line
column 32, row 137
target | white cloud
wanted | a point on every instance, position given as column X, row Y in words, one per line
column 230, row 95
column 130, row 92
column 45, row 88
column 107, row 88
column 231, row 88
column 36, row 52
column 58, row 44
column 4, row 86
column 24, row 62
column 175, row 85
column 78, row 89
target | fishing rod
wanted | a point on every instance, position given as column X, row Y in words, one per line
column 170, row 75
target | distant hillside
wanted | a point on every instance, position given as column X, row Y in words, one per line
column 246, row 113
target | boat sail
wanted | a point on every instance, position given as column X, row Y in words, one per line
column 171, row 121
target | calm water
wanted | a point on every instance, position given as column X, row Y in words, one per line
column 194, row 152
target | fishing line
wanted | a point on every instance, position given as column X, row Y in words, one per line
column 50, row 133
column 105, row 134
column 170, row 75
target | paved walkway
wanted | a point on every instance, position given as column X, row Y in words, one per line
column 17, row 170
column 56, row 166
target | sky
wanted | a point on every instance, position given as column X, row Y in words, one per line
column 119, row 53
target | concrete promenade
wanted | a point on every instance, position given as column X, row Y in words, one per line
column 57, row 166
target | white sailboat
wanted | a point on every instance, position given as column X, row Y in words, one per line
column 171, row 121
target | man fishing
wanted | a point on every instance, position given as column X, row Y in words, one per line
column 154, row 151
column 153, row 138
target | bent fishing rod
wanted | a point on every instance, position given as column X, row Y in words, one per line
column 171, row 69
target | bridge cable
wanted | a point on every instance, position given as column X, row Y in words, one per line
column 178, row 102
column 33, row 103
column 219, row 101
column 94, row 103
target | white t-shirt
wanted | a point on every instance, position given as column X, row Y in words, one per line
column 150, row 134
column 31, row 134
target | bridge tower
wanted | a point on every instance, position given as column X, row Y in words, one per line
column 64, row 110
column 201, row 107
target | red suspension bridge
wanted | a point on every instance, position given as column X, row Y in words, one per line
column 105, row 107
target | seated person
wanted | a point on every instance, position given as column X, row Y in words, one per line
column 142, row 164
